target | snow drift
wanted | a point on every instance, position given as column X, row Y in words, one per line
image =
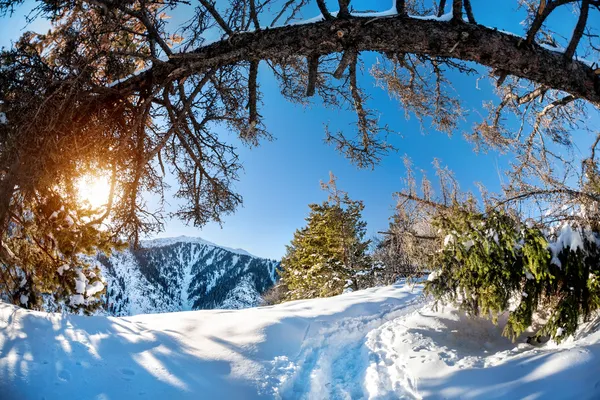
column 382, row 343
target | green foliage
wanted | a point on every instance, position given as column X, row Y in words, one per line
column 492, row 263
column 325, row 255
column 45, row 250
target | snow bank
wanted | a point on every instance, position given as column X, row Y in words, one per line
column 379, row 343
column 444, row 354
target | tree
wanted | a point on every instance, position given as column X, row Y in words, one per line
column 329, row 253
column 44, row 256
column 490, row 260
column 404, row 250
column 113, row 89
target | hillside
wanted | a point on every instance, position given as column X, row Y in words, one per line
column 179, row 274
column 382, row 343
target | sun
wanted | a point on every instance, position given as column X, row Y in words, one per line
column 94, row 190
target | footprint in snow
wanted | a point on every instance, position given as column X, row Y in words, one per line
column 127, row 373
column 64, row 375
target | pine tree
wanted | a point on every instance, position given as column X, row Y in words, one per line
column 45, row 251
column 489, row 261
column 325, row 256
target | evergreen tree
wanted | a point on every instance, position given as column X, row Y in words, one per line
column 542, row 272
column 44, row 250
column 325, row 256
column 491, row 261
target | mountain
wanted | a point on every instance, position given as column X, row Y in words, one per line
column 183, row 273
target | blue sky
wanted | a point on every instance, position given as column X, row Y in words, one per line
column 281, row 177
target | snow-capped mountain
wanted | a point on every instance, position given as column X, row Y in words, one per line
column 179, row 274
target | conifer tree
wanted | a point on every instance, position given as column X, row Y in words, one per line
column 490, row 260
column 325, row 255
column 45, row 265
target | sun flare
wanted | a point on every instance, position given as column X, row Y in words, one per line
column 94, row 190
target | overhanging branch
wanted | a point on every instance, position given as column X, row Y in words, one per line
column 477, row 43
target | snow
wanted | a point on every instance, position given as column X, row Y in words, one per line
column 77, row 299
column 529, row 275
column 62, row 269
column 24, row 299
column 80, row 283
column 69, row 221
column 444, row 18
column 380, row 343
column 376, row 15
column 125, row 79
column 449, row 239
column 3, row 119
column 443, row 354
column 162, row 242
column 568, row 238
column 94, row 288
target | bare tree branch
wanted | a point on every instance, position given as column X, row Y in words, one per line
column 252, row 94
column 254, row 15
column 457, row 10
column 324, row 10
column 344, row 9
column 313, row 71
column 401, row 7
column 544, row 10
column 215, row 14
column 579, row 28
column 469, row 11
column 347, row 58
column 441, row 8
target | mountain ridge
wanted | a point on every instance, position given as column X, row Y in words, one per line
column 183, row 273
column 163, row 241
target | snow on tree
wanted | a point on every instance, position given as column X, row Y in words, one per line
column 490, row 259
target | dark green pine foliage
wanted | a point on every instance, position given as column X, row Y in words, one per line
column 493, row 263
column 47, row 249
column 330, row 252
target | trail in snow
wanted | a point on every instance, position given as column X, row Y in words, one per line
column 333, row 358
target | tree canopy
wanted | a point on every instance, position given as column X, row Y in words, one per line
column 114, row 89
column 330, row 252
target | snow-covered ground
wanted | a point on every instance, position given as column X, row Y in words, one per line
column 383, row 343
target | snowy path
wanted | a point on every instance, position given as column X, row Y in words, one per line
column 333, row 357
column 380, row 343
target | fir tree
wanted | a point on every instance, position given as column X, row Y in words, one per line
column 325, row 256
column 45, row 251
column 492, row 260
